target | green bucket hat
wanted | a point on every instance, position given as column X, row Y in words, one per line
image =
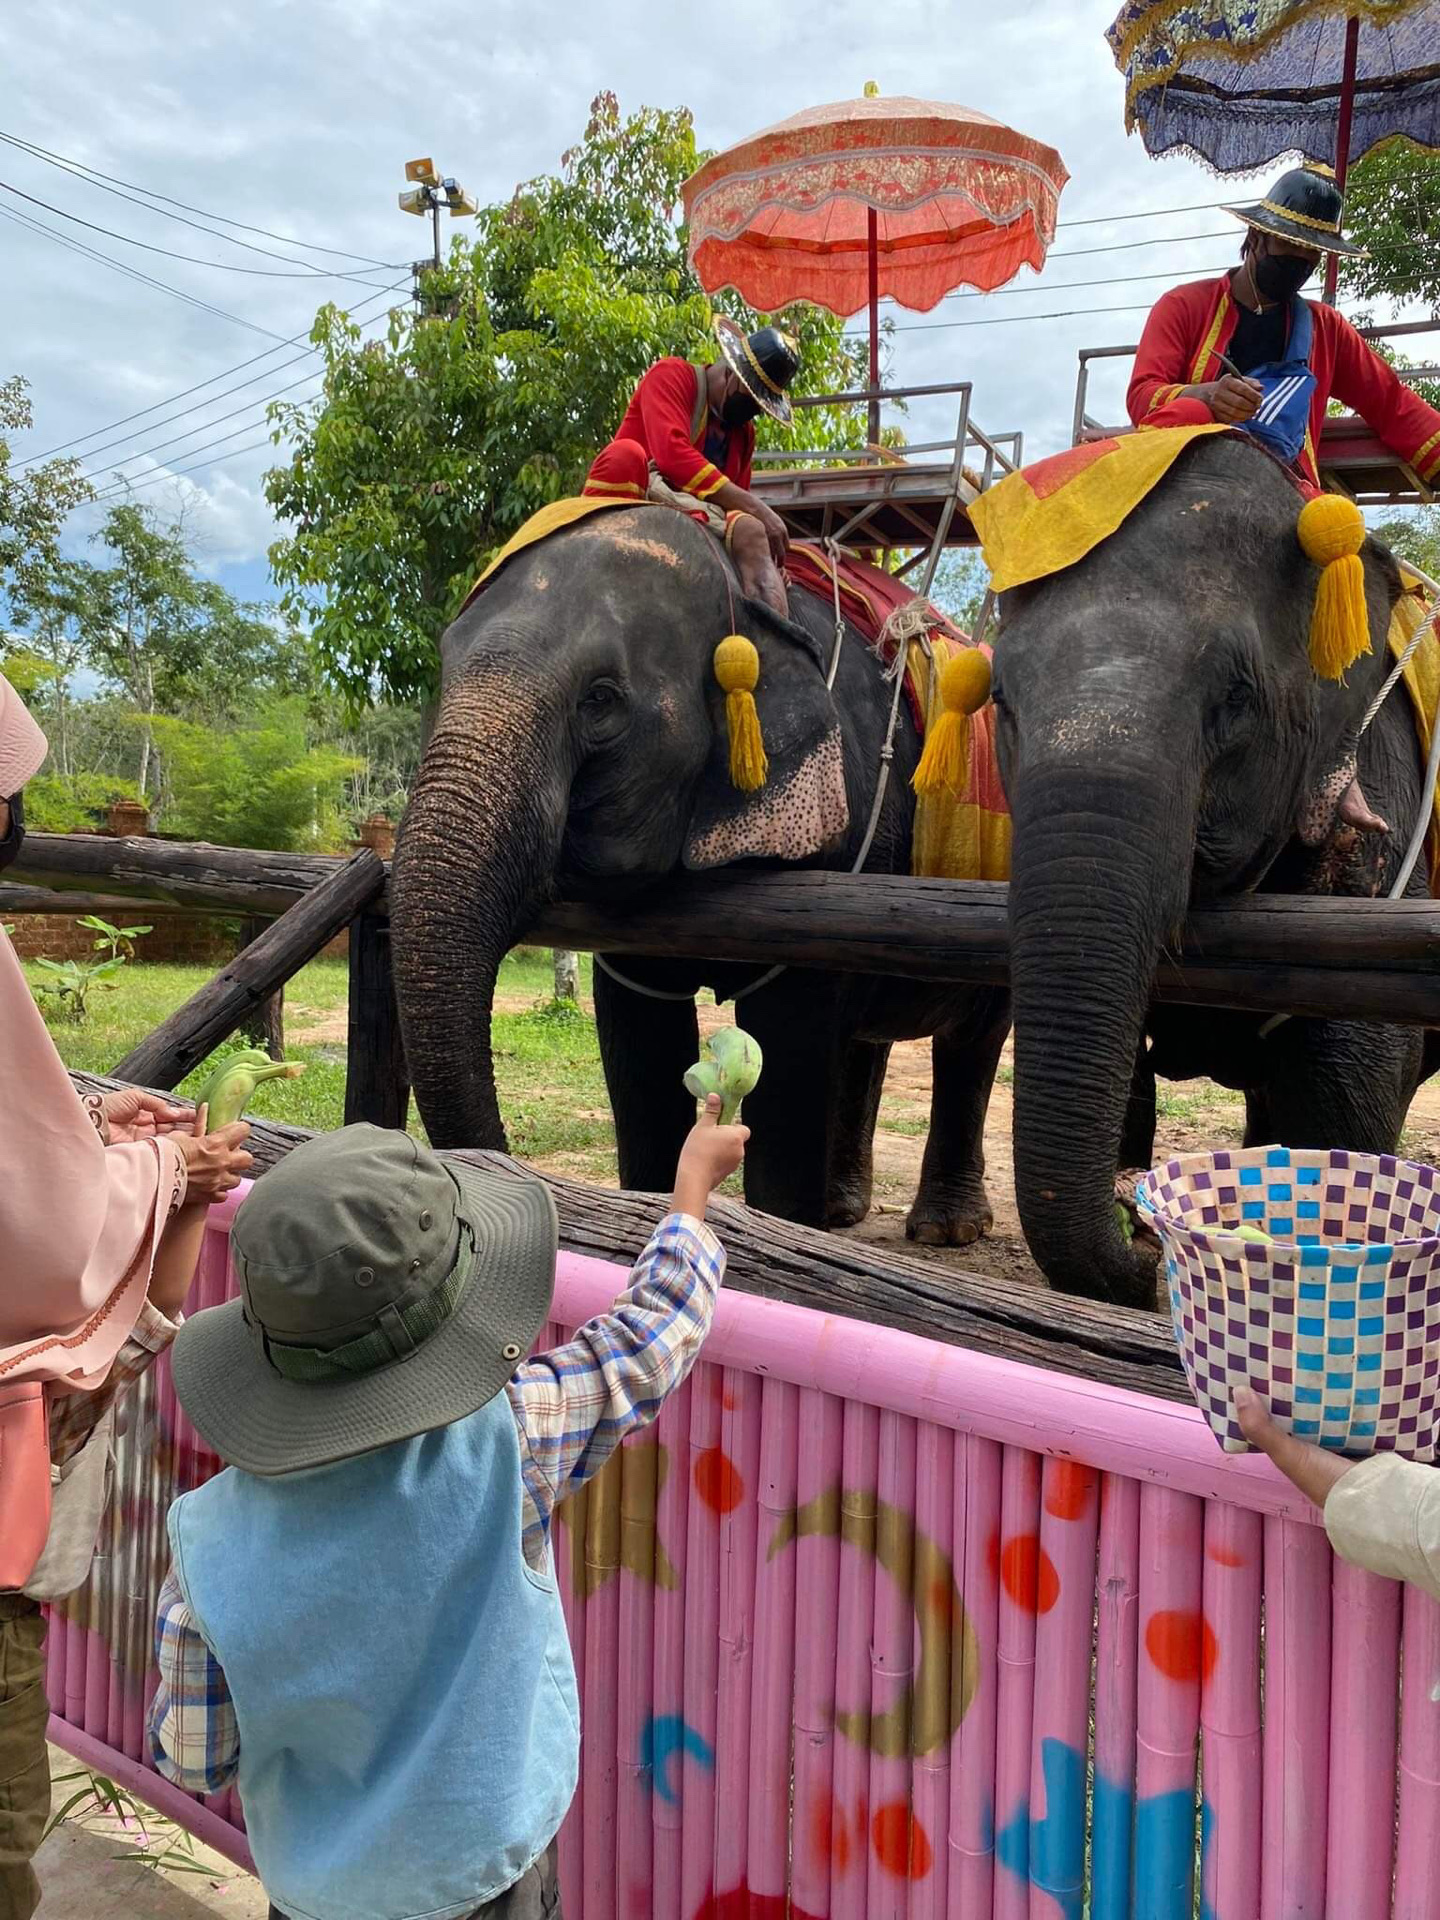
column 382, row 1293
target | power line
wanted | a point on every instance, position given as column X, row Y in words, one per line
column 246, row 406
column 121, row 266
column 146, row 453
column 1146, row 213
column 185, row 392
column 108, row 183
column 174, row 473
column 306, row 272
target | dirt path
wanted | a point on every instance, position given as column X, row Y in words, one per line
column 1193, row 1115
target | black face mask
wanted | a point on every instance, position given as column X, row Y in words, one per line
column 738, row 409
column 10, row 846
column 1278, row 276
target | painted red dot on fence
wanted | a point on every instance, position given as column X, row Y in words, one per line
column 1224, row 1556
column 1068, row 1487
column 1028, row 1574
column 829, row 1834
column 901, row 1844
column 718, row 1482
column 1182, row 1645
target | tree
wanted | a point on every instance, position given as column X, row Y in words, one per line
column 427, row 450
column 959, row 585
column 259, row 783
column 146, row 631
column 62, row 606
column 33, row 505
column 1392, row 205
column 1416, row 538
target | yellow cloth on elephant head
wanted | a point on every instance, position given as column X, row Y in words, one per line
column 550, row 519
column 1053, row 512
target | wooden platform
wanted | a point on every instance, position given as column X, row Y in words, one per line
column 879, row 505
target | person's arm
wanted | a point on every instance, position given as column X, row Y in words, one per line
column 1162, row 362
column 1361, row 380
column 210, row 1165
column 667, row 400
column 194, row 1736
column 576, row 1403
column 1382, row 1514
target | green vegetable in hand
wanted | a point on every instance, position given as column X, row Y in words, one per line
column 232, row 1085
column 729, row 1065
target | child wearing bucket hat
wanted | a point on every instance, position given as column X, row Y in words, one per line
column 361, row 1623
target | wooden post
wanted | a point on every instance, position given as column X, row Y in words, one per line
column 266, row 1025
column 567, row 974
column 377, row 1081
column 224, row 1003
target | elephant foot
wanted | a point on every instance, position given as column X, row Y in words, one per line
column 847, row 1208
column 935, row 1222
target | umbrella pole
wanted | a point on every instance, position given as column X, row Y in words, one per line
column 1342, row 137
column 872, row 234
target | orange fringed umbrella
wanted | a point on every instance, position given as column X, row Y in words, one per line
column 897, row 197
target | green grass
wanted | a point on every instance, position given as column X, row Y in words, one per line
column 547, row 1058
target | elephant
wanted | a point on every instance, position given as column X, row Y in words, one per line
column 1164, row 741
column 580, row 751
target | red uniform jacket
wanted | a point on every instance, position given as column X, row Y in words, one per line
column 669, row 417
column 1189, row 326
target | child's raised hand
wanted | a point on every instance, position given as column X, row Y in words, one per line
column 711, row 1153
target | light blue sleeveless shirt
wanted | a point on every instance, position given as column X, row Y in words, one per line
column 409, row 1726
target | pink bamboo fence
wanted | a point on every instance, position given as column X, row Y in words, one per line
column 871, row 1627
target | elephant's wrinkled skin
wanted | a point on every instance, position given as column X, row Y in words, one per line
column 580, row 751
column 1161, row 735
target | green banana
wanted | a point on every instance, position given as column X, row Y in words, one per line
column 1251, row 1232
column 232, row 1085
column 729, row 1064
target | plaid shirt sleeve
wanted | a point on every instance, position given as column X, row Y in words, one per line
column 576, row 1403
column 75, row 1416
column 194, row 1736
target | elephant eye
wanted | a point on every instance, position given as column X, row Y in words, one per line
column 601, row 697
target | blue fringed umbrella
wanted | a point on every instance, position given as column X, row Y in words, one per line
column 1237, row 83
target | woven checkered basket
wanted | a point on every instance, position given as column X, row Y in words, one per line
column 1337, row 1322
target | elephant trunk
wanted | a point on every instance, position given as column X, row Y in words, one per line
column 1099, row 878
column 476, row 857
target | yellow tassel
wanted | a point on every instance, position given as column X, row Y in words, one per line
column 964, row 689
column 737, row 669
column 1331, row 530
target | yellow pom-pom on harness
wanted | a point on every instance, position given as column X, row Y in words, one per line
column 1332, row 531
column 964, row 689
column 737, row 669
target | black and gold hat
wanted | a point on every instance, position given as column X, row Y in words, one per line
column 1304, row 206
column 765, row 364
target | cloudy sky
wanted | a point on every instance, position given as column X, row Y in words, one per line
column 297, row 119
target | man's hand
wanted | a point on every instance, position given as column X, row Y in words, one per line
column 1232, row 398
column 1312, row 1469
column 214, row 1162
column 133, row 1115
column 776, row 532
column 711, row 1153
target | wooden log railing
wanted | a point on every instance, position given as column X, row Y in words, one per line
column 1268, row 953
column 838, row 1274
column 243, row 985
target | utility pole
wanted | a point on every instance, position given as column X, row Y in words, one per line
column 429, row 193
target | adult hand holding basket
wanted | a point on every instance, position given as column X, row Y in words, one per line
column 1333, row 1318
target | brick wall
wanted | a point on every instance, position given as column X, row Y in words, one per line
column 187, row 939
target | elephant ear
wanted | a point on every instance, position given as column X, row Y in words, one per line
column 802, row 809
